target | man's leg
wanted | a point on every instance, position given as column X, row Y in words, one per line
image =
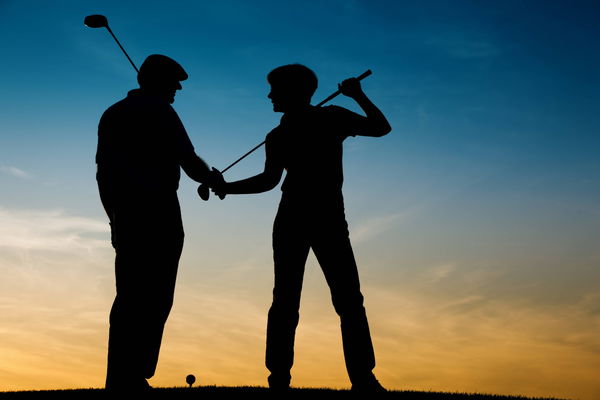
column 290, row 250
column 125, row 349
column 333, row 250
column 161, row 290
column 146, row 268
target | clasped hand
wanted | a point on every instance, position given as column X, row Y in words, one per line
column 216, row 183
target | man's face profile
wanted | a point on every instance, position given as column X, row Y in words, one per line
column 285, row 98
column 277, row 96
column 166, row 89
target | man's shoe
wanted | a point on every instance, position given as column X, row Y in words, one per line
column 128, row 386
column 279, row 382
column 369, row 384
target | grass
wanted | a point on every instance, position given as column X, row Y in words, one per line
column 224, row 392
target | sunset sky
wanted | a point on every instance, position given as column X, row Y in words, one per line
column 475, row 222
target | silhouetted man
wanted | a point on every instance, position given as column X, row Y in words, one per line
column 308, row 144
column 141, row 146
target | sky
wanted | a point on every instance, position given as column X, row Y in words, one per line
column 475, row 222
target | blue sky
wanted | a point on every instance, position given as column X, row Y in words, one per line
column 482, row 204
column 512, row 83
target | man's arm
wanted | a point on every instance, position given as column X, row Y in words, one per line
column 195, row 168
column 262, row 182
column 192, row 165
column 374, row 124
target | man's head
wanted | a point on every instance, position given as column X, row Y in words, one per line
column 292, row 87
column 161, row 76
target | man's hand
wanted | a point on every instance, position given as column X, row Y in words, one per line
column 351, row 88
column 217, row 183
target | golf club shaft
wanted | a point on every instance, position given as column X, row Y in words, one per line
column 124, row 52
column 331, row 96
column 244, row 156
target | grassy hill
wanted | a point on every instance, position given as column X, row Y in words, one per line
column 220, row 392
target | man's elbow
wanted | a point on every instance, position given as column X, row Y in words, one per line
column 387, row 129
column 271, row 184
column 196, row 168
column 382, row 130
column 271, row 181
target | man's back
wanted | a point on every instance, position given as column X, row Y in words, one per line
column 141, row 142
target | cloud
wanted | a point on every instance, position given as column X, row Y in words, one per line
column 49, row 230
column 50, row 253
column 16, row 172
column 55, row 293
column 446, row 327
column 480, row 343
column 440, row 272
column 375, row 226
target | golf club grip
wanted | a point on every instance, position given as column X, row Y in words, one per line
column 364, row 75
column 337, row 92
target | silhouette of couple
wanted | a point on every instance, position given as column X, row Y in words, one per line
column 142, row 145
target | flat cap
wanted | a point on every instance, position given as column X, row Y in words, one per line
column 158, row 68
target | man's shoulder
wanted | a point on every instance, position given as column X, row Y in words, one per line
column 111, row 113
column 334, row 111
column 117, row 107
column 325, row 115
column 136, row 103
column 274, row 134
column 332, row 108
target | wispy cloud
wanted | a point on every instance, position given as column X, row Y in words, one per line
column 49, row 252
column 16, row 172
column 374, row 226
column 440, row 272
column 49, row 230
column 55, row 292
column 441, row 343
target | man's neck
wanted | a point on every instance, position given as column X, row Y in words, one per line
column 154, row 94
column 298, row 109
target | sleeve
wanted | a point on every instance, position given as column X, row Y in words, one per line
column 183, row 145
column 272, row 150
column 345, row 122
column 102, row 138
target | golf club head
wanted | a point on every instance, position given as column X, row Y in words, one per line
column 96, row 21
column 204, row 192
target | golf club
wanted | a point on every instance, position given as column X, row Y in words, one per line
column 203, row 190
column 100, row 21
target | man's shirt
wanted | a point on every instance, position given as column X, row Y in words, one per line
column 141, row 145
column 308, row 145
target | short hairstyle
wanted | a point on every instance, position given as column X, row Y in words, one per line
column 295, row 77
